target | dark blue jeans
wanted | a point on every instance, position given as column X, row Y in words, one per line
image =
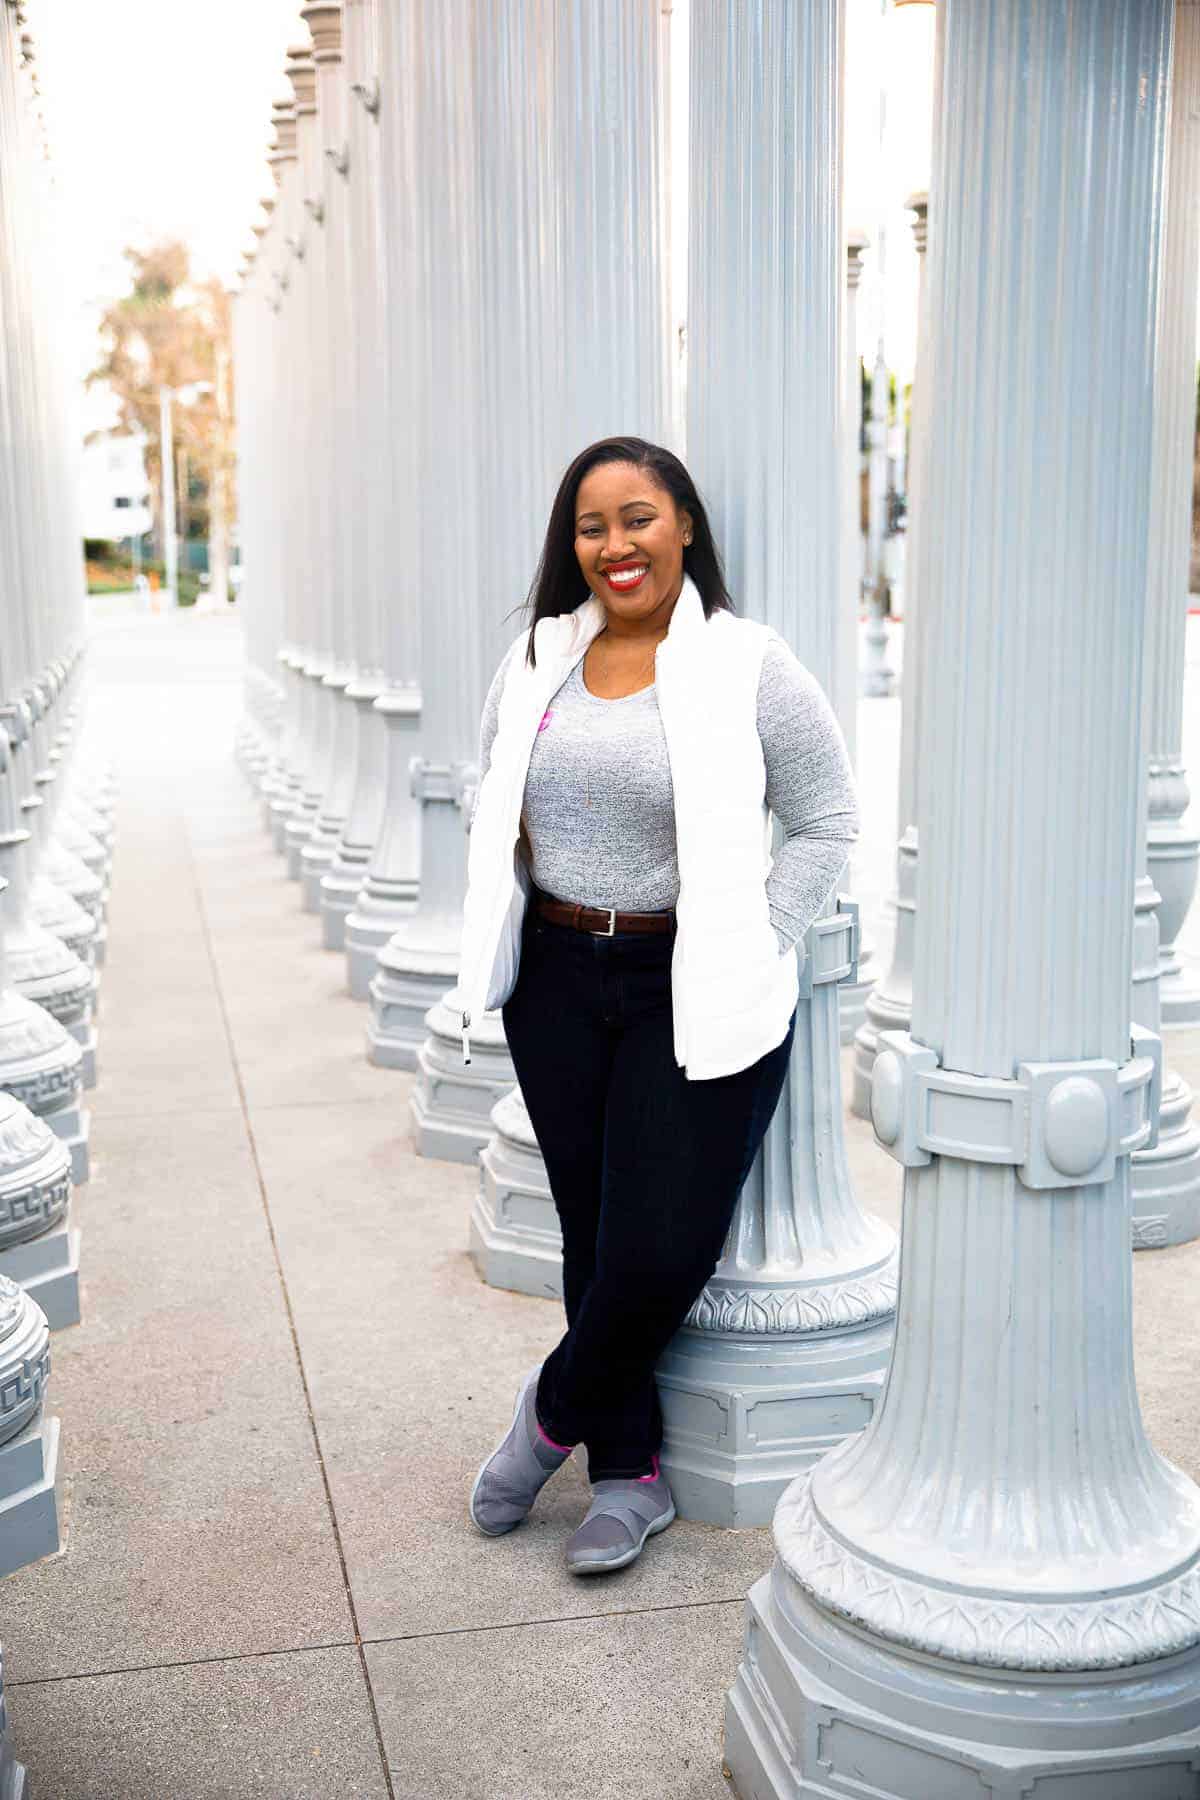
column 644, row 1165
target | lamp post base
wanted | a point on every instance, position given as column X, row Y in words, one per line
column 821, row 1711
column 744, row 1415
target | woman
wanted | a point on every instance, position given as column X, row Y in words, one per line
column 624, row 910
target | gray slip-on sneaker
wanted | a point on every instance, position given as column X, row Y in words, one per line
column 518, row 1468
column 623, row 1514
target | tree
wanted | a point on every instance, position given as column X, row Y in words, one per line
column 171, row 331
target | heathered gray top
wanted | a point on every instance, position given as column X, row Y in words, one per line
column 599, row 808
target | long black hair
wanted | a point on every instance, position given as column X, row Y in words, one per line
column 559, row 585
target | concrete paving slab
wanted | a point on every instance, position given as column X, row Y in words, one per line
column 196, row 1516
column 619, row 1708
column 368, row 1231
column 294, row 1727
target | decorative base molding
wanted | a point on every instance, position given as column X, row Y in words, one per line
column 316, row 860
column 369, row 926
column 1179, row 1000
column 400, row 1002
column 743, row 1416
column 28, row 1494
column 296, row 833
column 73, row 1124
column 452, row 1101
column 47, row 1269
column 819, row 1711
column 277, row 810
column 341, row 886
column 1165, row 1182
column 979, row 1628
column 84, row 1032
column 516, row 1242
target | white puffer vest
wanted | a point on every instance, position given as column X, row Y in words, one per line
column 732, row 992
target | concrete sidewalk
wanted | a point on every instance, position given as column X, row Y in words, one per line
column 288, row 1372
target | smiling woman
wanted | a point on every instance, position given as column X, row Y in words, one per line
column 624, row 912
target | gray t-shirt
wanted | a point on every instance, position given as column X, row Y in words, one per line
column 599, row 811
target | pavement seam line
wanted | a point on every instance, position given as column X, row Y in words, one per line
column 287, row 1304
column 183, row 1662
column 587, row 1618
column 399, row 1637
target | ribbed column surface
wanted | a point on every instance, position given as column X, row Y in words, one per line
column 1175, row 404
column 604, row 169
column 1032, row 638
column 1004, row 1507
column 764, row 327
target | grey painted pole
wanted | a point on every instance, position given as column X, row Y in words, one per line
column 314, row 473
column 1165, row 1179
column 889, row 1008
column 855, row 990
column 1174, row 837
column 341, row 885
column 786, row 1349
column 997, row 1585
column 389, row 892
column 332, row 357
column 569, row 354
column 442, row 377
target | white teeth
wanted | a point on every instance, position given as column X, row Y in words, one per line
column 624, row 577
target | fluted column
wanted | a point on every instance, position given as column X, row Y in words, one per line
column 785, row 1350
column 853, row 991
column 369, row 547
column 296, row 549
column 566, row 196
column 598, row 365
column 333, row 355
column 879, row 678
column 889, row 1008
column 389, row 892
column 996, row 1587
column 40, row 1064
column 442, row 373
column 312, row 461
column 1174, row 839
column 1165, row 1179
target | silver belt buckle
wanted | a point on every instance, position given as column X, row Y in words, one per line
column 612, row 924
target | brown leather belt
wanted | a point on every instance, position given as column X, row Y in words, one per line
column 603, row 920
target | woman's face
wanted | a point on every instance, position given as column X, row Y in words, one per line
column 629, row 539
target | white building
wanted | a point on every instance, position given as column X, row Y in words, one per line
column 116, row 491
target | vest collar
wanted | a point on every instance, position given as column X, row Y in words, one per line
column 569, row 634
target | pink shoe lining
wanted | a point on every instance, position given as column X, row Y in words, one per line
column 654, row 1475
column 551, row 1442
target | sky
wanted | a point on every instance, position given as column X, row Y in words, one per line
column 158, row 117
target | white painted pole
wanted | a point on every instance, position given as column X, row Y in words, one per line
column 889, row 1007
column 1165, row 1179
column 843, row 691
column 367, row 364
column 786, row 1349
column 1174, row 835
column 389, row 891
column 997, row 1585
